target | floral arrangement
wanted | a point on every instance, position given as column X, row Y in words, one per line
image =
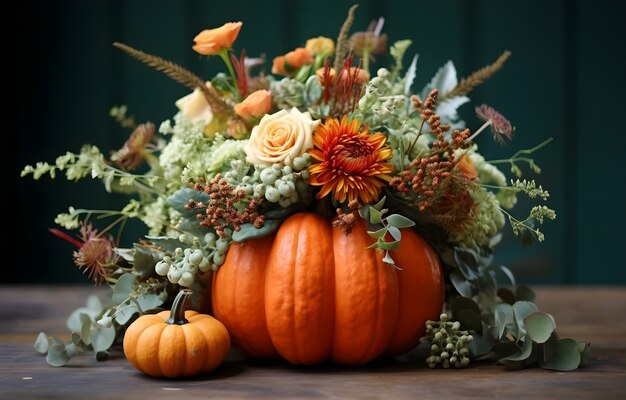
column 322, row 133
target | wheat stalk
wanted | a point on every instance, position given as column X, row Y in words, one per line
column 180, row 75
column 468, row 84
column 343, row 44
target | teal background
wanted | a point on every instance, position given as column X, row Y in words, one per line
column 564, row 80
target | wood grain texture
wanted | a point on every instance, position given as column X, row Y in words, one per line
column 582, row 313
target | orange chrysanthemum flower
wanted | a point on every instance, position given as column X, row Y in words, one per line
column 350, row 161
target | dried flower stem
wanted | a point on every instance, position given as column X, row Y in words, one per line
column 468, row 84
column 343, row 42
column 180, row 75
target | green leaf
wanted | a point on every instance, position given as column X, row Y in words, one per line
column 168, row 243
column 481, row 344
column 379, row 234
column 539, row 326
column 102, row 338
column 399, row 221
column 462, row 286
column 249, row 231
column 312, row 89
column 85, row 328
column 467, row 262
column 179, row 200
column 522, row 309
column 509, row 275
column 470, row 320
column 525, row 293
column 395, row 233
column 505, row 349
column 567, row 356
column 584, row 349
column 149, row 302
column 388, row 245
column 459, row 304
column 379, row 206
column 409, row 77
column 123, row 287
column 42, row 343
column 504, row 319
column 125, row 312
column 506, row 295
column 57, row 355
column 375, row 216
column 144, row 260
column 522, row 354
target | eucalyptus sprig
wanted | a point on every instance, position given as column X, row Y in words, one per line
column 389, row 225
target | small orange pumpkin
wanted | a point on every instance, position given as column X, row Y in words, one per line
column 177, row 343
column 312, row 292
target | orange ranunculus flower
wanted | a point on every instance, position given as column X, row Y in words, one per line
column 349, row 161
column 320, row 74
column 256, row 105
column 212, row 41
column 291, row 61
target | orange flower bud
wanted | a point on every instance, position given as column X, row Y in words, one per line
column 362, row 76
column 256, row 105
column 292, row 60
column 212, row 41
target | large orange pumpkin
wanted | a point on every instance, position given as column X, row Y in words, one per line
column 312, row 292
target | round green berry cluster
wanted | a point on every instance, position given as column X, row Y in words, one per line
column 202, row 254
column 449, row 344
column 285, row 185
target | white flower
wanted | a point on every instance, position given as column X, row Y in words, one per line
column 195, row 107
column 280, row 137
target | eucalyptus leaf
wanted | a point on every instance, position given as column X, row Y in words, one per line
column 57, row 355
column 85, row 328
column 470, row 320
column 467, row 262
column 179, row 200
column 249, row 231
column 192, row 226
column 71, row 350
column 76, row 339
column 507, row 296
column 144, row 260
column 522, row 309
column 459, row 304
column 481, row 345
column 388, row 245
column 312, row 89
column 462, row 286
column 102, row 355
column 548, row 348
column 539, row 326
column 505, row 349
column 375, row 216
column 167, row 243
column 409, row 77
column 123, row 287
column 566, row 357
column 379, row 206
column 379, row 234
column 522, row 354
column 509, row 274
column 525, row 293
column 102, row 338
column 504, row 319
column 93, row 309
column 395, row 233
column 41, row 343
column 399, row 221
column 149, row 301
column 125, row 312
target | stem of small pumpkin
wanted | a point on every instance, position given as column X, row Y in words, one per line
column 177, row 314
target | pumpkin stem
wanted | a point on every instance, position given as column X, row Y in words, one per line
column 177, row 315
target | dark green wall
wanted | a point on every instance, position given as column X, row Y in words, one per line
column 565, row 80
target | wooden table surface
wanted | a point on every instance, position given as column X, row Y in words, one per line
column 593, row 314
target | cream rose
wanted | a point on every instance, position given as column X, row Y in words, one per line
column 280, row 137
column 195, row 107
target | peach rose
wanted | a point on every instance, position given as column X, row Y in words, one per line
column 291, row 61
column 212, row 41
column 256, row 105
column 280, row 137
column 320, row 45
column 195, row 107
